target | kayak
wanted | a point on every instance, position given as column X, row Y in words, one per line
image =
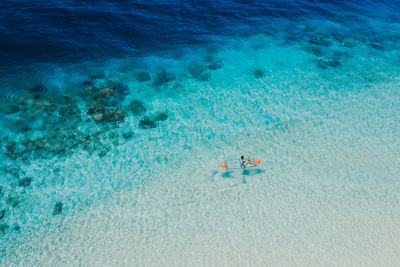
column 236, row 164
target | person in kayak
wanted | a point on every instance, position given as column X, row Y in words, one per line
column 243, row 163
column 246, row 161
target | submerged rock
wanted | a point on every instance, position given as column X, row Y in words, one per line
column 146, row 123
column 347, row 44
column 2, row 213
column 377, row 46
column 4, row 228
column 87, row 83
column 13, row 151
column 56, row 148
column 94, row 75
column 9, row 108
column 161, row 116
column 115, row 115
column 110, row 116
column 22, row 100
column 209, row 58
column 290, row 39
column 25, row 182
column 11, row 169
column 102, row 153
column 338, row 36
column 177, row 85
column 43, row 104
column 118, row 87
column 58, row 208
column 37, row 89
column 21, row 126
column 319, row 39
column 31, row 115
column 103, row 149
column 215, row 66
column 205, row 77
column 110, row 96
column 127, row 135
column 324, row 64
column 99, row 117
column 34, row 145
column 317, row 51
column 199, row 72
column 258, row 73
column 13, row 200
column 143, row 76
column 69, row 110
column 163, row 77
column 95, row 108
column 136, row 107
column 313, row 49
column 113, row 135
column 107, row 91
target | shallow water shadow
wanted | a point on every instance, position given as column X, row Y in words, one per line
column 253, row 172
column 227, row 175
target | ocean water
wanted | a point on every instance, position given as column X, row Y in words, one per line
column 115, row 117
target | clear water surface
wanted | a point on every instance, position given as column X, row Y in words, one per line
column 115, row 116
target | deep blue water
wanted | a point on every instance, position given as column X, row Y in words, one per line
column 62, row 31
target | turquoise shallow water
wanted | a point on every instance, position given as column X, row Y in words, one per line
column 319, row 108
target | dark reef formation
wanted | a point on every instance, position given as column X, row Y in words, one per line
column 163, row 77
column 51, row 126
column 198, row 71
column 258, row 73
column 58, row 208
